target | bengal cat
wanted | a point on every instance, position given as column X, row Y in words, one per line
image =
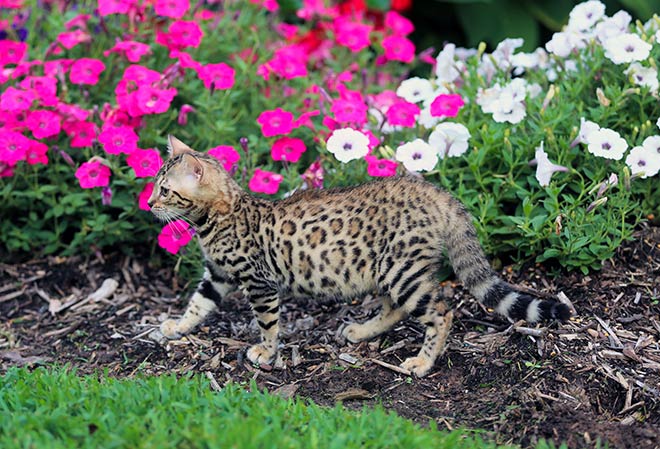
column 385, row 237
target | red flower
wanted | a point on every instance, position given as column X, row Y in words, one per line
column 13, row 147
column 82, row 133
column 398, row 48
column 132, row 50
column 144, row 196
column 446, row 105
column 152, row 100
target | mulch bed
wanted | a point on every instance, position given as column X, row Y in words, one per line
column 593, row 380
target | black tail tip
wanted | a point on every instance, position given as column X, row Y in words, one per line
column 561, row 311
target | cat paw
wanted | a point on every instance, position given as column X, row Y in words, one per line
column 260, row 354
column 354, row 333
column 170, row 329
column 419, row 366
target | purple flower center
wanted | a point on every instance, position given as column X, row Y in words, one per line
column 93, row 173
column 606, row 146
column 417, row 156
column 641, row 163
column 629, row 48
column 348, row 146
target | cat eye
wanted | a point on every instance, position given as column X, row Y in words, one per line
column 164, row 191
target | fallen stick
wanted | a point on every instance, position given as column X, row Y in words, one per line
column 214, row 383
column 615, row 343
column 398, row 369
column 542, row 332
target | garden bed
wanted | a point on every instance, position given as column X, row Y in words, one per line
column 594, row 378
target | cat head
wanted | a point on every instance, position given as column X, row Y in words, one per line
column 190, row 184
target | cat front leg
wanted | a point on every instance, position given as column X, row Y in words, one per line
column 205, row 300
column 265, row 304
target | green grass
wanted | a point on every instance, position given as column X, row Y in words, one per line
column 56, row 408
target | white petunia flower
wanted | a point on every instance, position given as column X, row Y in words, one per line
column 348, row 144
column 449, row 139
column 652, row 143
column 417, row 155
column 606, row 143
column 504, row 52
column 643, row 76
column 626, row 48
column 564, row 42
column 447, row 68
column 613, row 26
column 657, row 123
column 507, row 109
column 643, row 161
column 426, row 119
column 586, row 128
column 586, row 14
column 657, row 36
column 545, row 168
column 415, row 89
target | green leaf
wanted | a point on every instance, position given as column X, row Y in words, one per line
column 494, row 22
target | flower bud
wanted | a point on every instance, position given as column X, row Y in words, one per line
column 596, row 203
column 602, row 99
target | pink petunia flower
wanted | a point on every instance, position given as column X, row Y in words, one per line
column 145, row 163
column 287, row 149
column 44, row 86
column 174, row 235
column 172, row 8
column 144, row 196
column 305, row 119
column 349, row 111
column 93, row 174
column 182, row 118
column 398, row 48
column 81, row 133
column 119, row 139
column 265, row 182
column 313, row 176
column 227, row 156
column 37, row 153
column 86, row 71
column 398, row 24
column 181, row 34
column 12, row 52
column 70, row 39
column 152, row 100
column 107, row 7
column 275, row 122
column 16, row 100
column 353, row 35
column 402, row 113
column 446, row 105
column 13, row 146
column 6, row 170
column 380, row 167
column 132, row 50
column 44, row 123
column 217, row 76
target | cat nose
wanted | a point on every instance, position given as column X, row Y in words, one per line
column 150, row 203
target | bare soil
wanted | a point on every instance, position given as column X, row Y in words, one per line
column 591, row 381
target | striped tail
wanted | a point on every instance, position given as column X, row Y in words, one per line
column 472, row 268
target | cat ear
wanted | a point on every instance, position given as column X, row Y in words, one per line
column 194, row 167
column 176, row 147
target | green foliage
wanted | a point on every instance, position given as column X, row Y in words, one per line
column 492, row 21
column 58, row 409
